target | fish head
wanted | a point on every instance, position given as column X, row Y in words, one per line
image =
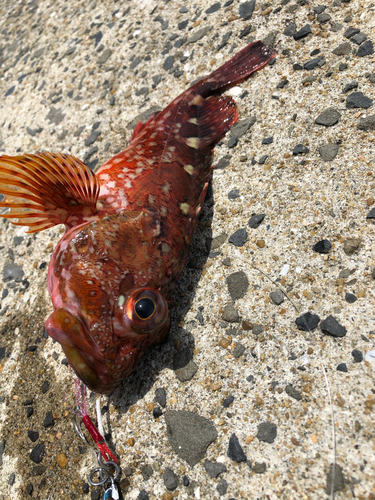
column 105, row 281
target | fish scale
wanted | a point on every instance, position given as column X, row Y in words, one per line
column 128, row 227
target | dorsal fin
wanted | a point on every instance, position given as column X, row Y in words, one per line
column 47, row 189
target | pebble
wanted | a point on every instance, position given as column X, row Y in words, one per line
column 214, row 8
column 358, row 100
column 323, row 18
column 262, row 160
column 168, row 63
column 351, row 32
column 256, row 220
column 267, row 140
column 367, row 123
column 189, row 434
column 233, row 194
column 323, row 246
column 214, row 469
column 238, row 285
column 2, row 449
column 339, row 483
column 350, row 298
column 147, row 471
column 302, row 33
column 350, row 86
column 33, row 435
column 235, row 451
column 313, row 63
column 290, row 30
column 230, row 314
column 259, row 468
column 184, row 366
column 228, row 401
column 29, row 411
column 29, row 489
column 45, row 386
column 238, row 350
column 357, row 356
column 328, row 151
column 242, row 126
column 161, row 396
column 62, row 460
column 12, row 272
column 246, row 10
column 12, row 478
column 157, row 412
column 37, row 453
column 358, row 39
column 307, row 322
column 222, row 487
column 328, row 117
column 92, row 137
column 198, row 35
column 143, row 495
column 185, row 480
column 343, row 49
column 366, row 49
column 342, row 368
column 267, row 432
column 351, row 245
column 104, row 56
column 371, row 214
column 239, row 237
column 293, row 393
column 277, row 297
column 49, row 421
column 257, row 329
column 331, row 326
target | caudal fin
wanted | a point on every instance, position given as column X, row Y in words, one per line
column 248, row 60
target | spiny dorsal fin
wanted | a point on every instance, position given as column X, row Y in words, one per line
column 46, row 189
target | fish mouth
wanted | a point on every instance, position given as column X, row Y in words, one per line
column 72, row 335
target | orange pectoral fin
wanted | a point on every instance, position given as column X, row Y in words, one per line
column 47, row 189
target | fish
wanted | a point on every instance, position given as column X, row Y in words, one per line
column 128, row 227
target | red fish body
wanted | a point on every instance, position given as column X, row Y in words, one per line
column 129, row 227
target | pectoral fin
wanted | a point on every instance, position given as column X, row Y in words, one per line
column 47, row 189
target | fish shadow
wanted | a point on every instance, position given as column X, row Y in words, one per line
column 176, row 350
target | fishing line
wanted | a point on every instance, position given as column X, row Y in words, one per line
column 332, row 492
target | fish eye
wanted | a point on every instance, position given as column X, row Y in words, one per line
column 145, row 308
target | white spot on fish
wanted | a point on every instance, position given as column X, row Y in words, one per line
column 192, row 142
column 151, row 199
column 196, row 101
column 166, row 187
column 184, row 208
column 111, row 184
column 163, row 211
column 193, row 120
column 165, row 248
column 189, row 169
column 121, row 300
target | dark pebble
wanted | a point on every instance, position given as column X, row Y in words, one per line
column 343, row 67
column 277, row 297
column 143, row 495
column 235, row 451
column 293, row 393
column 185, row 480
column 223, row 163
column 350, row 298
column 37, row 453
column 297, row 67
column 350, row 86
column 338, row 481
column 246, row 10
column 12, row 272
column 245, row 31
column 323, row 18
column 351, row 32
column 342, row 368
column 147, row 471
column 230, row 314
column 228, row 401
column 38, row 470
column 358, row 39
column 262, row 160
column 307, row 321
column 331, row 326
column 222, row 487
column 323, row 247
column 215, row 243
column 267, row 432
column 29, row 411
column 232, row 142
column 92, row 137
column 302, row 33
column 366, row 49
column 238, row 350
column 256, row 220
column 11, row 479
column 257, row 329
column 314, row 63
column 267, row 140
column 238, row 285
column 214, row 8
column 49, row 421
column 214, row 469
column 95, row 495
column 233, row 194
column 239, row 237
column 328, row 117
column 29, row 489
column 259, row 468
column 290, row 30
column 300, row 149
column 189, row 434
column 242, row 126
column 33, row 435
column 157, row 412
column 86, row 488
column 371, row 214
column 328, row 151
column 161, row 396
column 170, row 479
column 45, row 386
column 281, row 85
column 357, row 356
column 182, row 25
column 344, row 49
column 168, row 63
column 358, row 100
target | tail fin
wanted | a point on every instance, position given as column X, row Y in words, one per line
column 250, row 59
